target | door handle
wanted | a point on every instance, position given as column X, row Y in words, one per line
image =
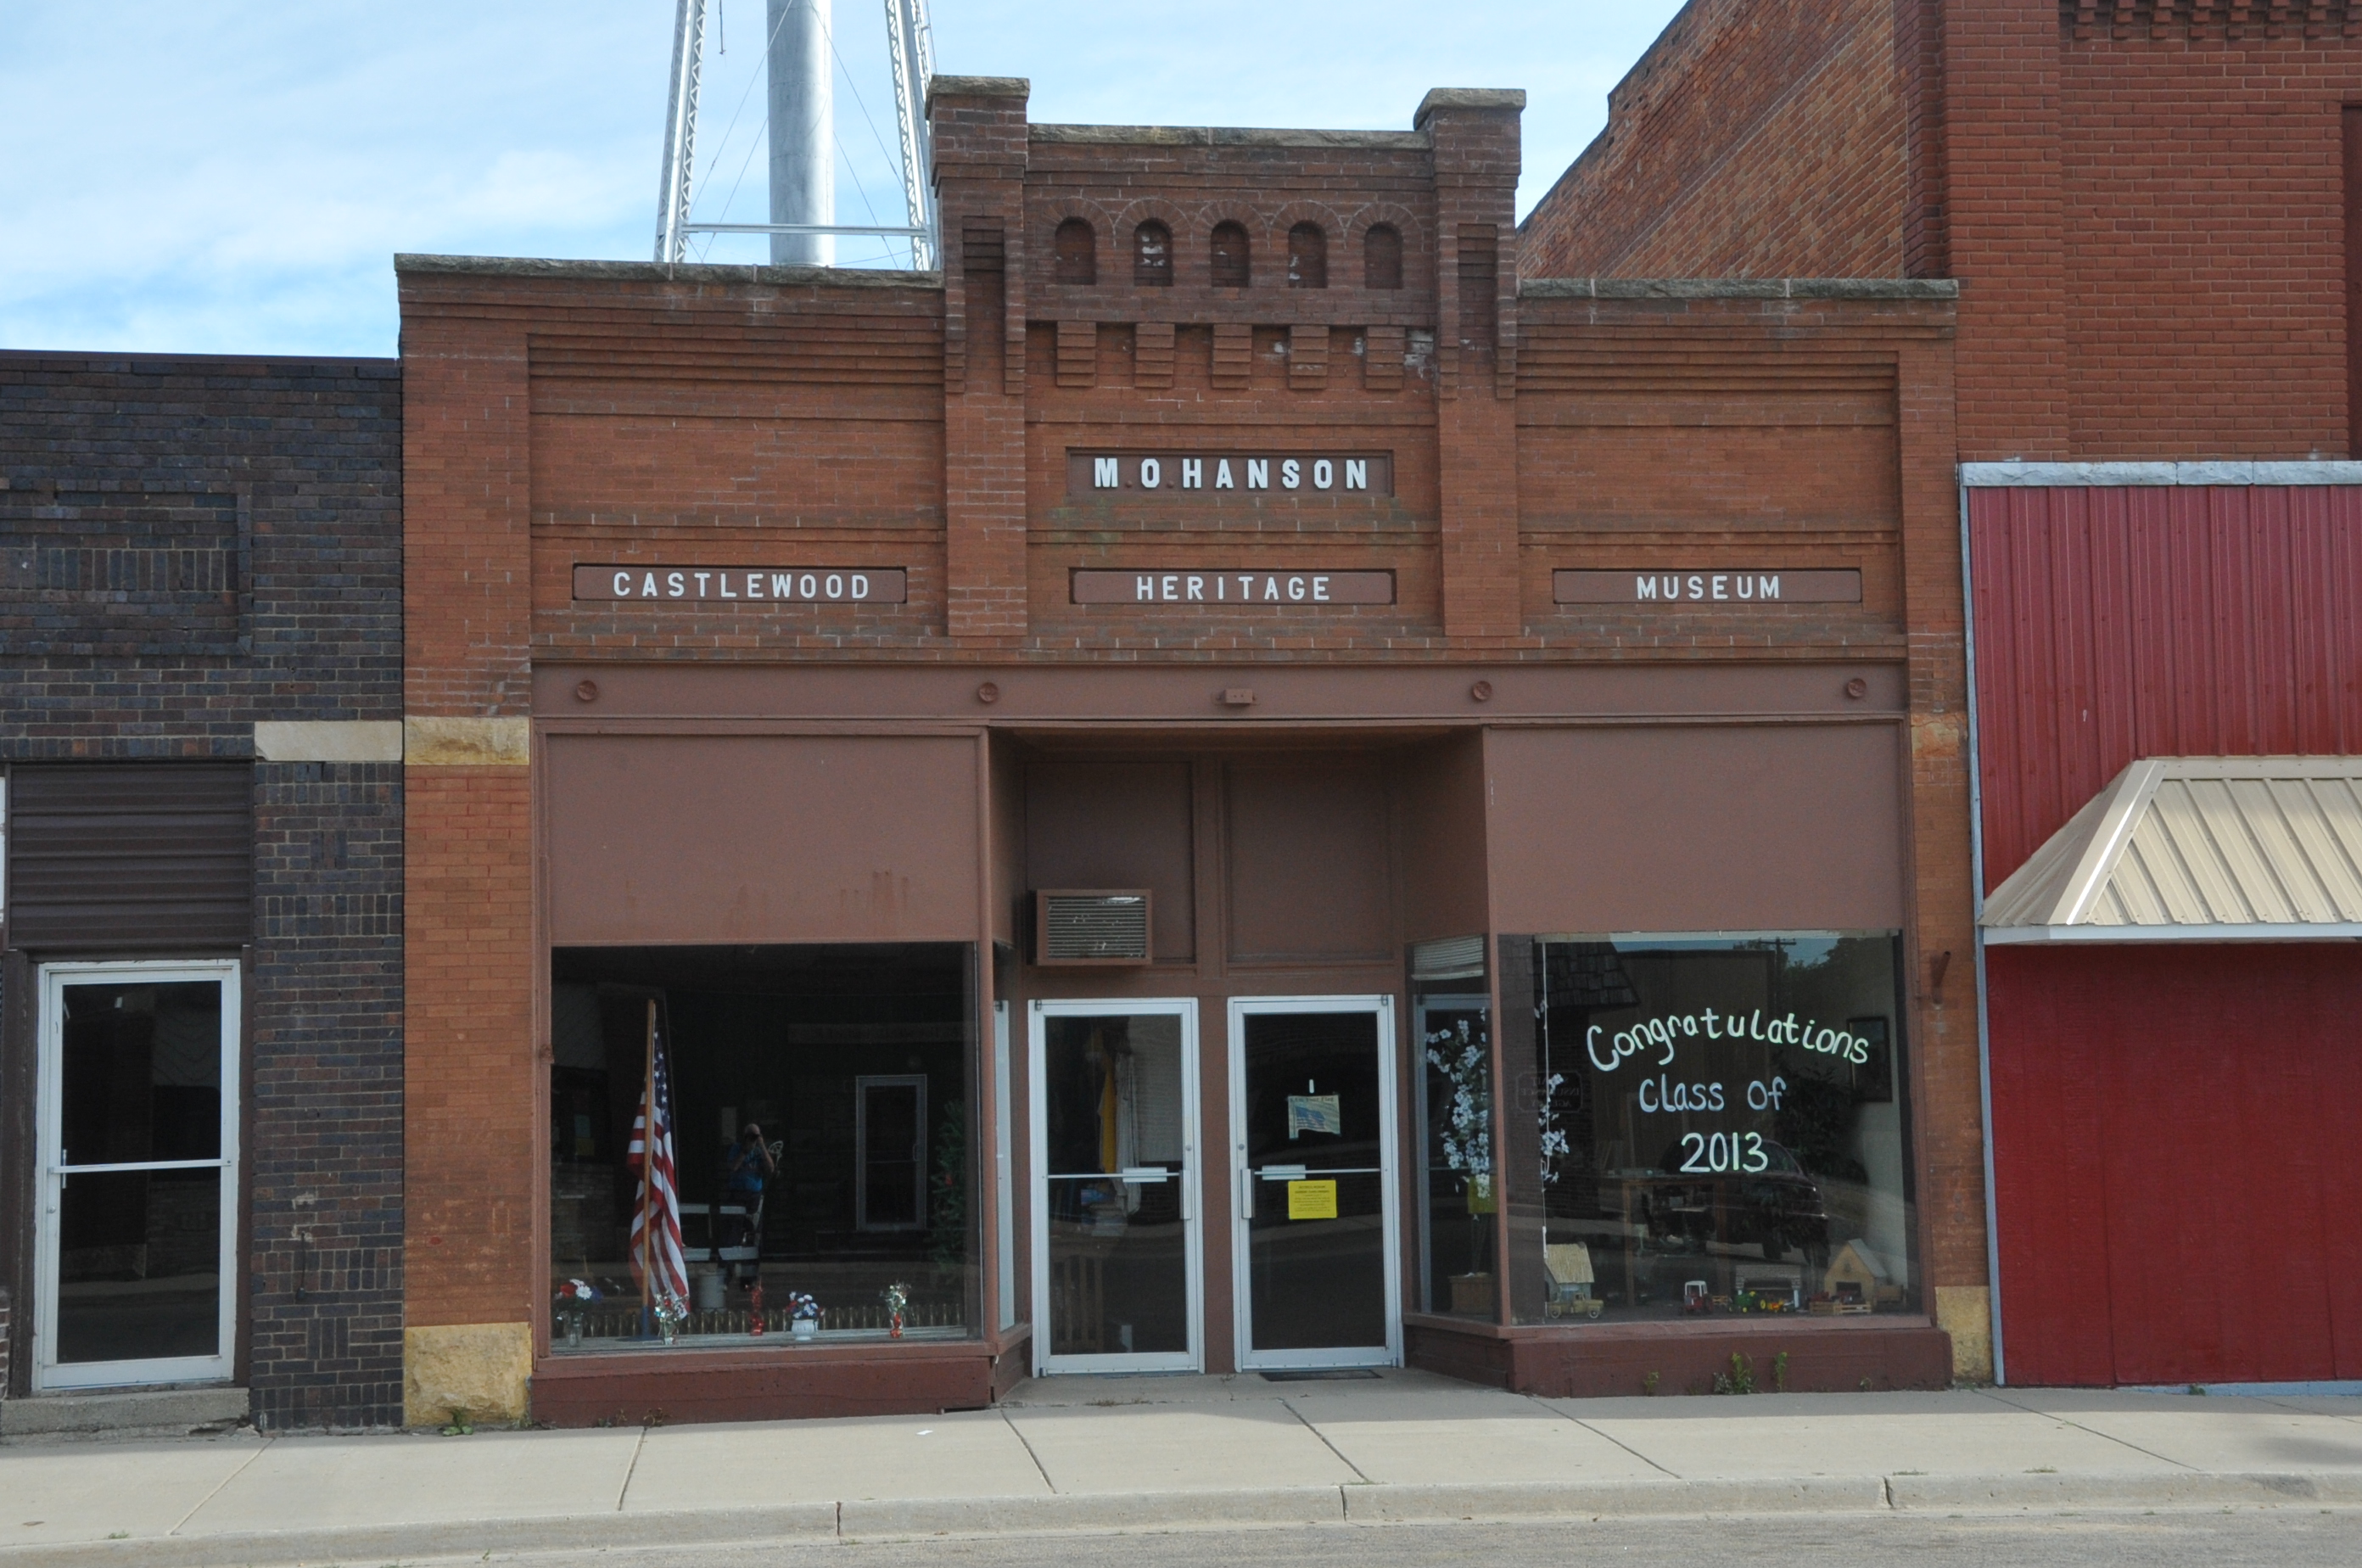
column 1246, row 1194
column 1141, row 1175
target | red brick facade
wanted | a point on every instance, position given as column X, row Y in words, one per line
column 2145, row 205
column 653, row 417
column 1761, row 139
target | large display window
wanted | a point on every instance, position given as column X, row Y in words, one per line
column 763, row 1144
column 1706, row 1126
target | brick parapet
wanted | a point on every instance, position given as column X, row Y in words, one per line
column 112, row 467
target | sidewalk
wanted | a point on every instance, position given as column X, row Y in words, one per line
column 1161, row 1452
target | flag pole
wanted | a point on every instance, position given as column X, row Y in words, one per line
column 647, row 1181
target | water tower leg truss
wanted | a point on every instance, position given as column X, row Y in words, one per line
column 910, row 37
column 912, row 44
column 680, row 130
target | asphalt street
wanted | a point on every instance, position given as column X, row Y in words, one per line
column 2281, row 1537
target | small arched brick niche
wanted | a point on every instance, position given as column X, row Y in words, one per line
column 1382, row 257
column 1308, row 257
column 1233, row 266
column 1074, row 253
column 1152, row 256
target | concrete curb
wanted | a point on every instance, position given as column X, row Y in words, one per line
column 2192, row 1489
column 1416, row 1501
column 388, row 1544
column 1367, row 1505
column 1091, row 1511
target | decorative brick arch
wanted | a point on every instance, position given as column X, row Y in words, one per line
column 1419, row 247
column 1193, row 247
column 1177, row 221
column 1042, row 226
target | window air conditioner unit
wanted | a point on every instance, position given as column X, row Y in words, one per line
column 1091, row 927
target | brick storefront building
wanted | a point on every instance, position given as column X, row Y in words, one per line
column 2151, row 212
column 1048, row 773
column 200, row 704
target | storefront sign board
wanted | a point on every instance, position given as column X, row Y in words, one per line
column 1228, row 474
column 752, row 585
column 1721, row 586
column 1201, row 586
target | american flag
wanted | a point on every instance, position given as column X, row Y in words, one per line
column 658, row 1211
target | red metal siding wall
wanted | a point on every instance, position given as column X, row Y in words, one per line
column 2116, row 623
column 2192, row 1216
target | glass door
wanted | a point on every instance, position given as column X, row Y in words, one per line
column 1115, row 1253
column 1312, row 1100
column 135, row 1229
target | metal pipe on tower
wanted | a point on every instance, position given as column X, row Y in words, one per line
column 804, row 138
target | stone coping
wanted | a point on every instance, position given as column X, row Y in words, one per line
column 1739, row 289
column 409, row 263
column 1227, row 136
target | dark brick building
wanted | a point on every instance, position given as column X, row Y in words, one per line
column 200, row 705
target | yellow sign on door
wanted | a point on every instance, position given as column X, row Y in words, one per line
column 1312, row 1200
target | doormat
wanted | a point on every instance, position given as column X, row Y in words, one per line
column 1322, row 1375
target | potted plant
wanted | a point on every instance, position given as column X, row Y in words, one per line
column 803, row 1315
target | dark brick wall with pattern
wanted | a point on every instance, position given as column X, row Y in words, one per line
column 189, row 546
column 325, row 1168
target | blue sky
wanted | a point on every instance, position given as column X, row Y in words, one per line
column 221, row 176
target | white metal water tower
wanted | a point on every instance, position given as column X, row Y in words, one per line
column 803, row 182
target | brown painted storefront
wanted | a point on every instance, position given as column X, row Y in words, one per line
column 1449, row 660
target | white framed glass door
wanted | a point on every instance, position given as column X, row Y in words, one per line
column 1118, row 1260
column 1317, row 1254
column 135, row 1206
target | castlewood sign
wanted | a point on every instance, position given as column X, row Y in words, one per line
column 745, row 585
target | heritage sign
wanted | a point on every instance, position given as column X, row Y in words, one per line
column 754, row 585
column 1219, row 474
column 1719, row 586
column 1205, row 586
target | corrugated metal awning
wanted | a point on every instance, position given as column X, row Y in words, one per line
column 2199, row 849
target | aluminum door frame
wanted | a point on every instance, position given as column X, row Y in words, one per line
column 48, row 1373
column 1389, row 1201
column 1193, row 1196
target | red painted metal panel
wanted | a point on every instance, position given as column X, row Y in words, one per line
column 2176, row 1185
column 2115, row 623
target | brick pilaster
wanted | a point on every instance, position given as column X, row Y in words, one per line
column 980, row 153
column 1477, row 159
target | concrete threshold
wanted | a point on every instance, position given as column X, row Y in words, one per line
column 1356, row 1504
column 124, row 1412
